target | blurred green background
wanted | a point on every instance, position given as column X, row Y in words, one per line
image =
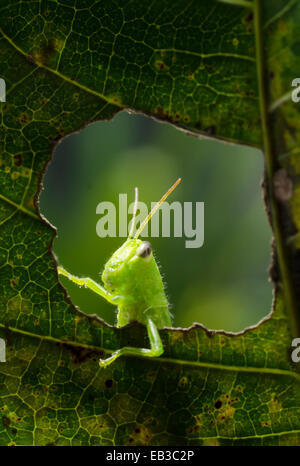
column 224, row 284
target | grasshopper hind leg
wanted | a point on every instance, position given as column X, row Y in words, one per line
column 155, row 350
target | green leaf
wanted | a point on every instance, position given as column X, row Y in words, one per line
column 215, row 68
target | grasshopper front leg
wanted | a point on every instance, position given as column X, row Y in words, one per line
column 153, row 334
column 88, row 283
column 155, row 351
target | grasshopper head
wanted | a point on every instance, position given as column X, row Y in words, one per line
column 127, row 264
column 134, row 258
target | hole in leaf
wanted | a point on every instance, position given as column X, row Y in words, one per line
column 223, row 284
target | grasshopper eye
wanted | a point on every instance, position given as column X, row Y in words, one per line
column 144, row 250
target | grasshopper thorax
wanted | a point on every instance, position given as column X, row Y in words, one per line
column 127, row 265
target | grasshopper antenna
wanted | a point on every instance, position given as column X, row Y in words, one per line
column 155, row 208
column 136, row 200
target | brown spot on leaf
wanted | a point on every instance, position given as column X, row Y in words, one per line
column 249, row 18
column 161, row 66
column 24, row 118
column 283, row 185
column 195, row 428
column 218, row 404
column 6, row 421
column 15, row 175
column 108, row 383
column 79, row 354
column 183, row 382
column 47, row 51
column 141, row 435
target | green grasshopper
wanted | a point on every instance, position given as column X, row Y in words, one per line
column 132, row 281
